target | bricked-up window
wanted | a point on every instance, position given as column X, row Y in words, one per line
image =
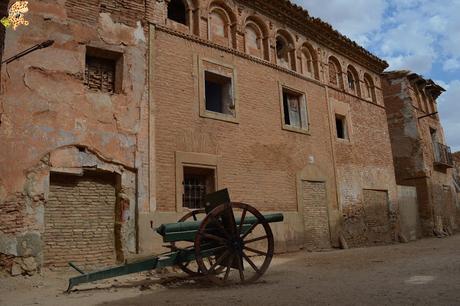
column 341, row 127
column 253, row 39
column 369, row 92
column 294, row 110
column 335, row 74
column 103, row 70
column 219, row 93
column 197, row 183
column 177, row 11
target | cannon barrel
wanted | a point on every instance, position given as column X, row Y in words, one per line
column 179, row 227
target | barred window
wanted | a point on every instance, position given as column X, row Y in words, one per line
column 198, row 182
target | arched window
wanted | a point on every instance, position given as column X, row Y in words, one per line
column 177, row 11
column 219, row 27
column 335, row 73
column 308, row 61
column 353, row 81
column 253, row 37
column 285, row 52
column 369, row 88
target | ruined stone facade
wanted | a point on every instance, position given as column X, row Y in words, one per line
column 52, row 123
column 152, row 99
column 421, row 156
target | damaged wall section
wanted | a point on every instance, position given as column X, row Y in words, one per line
column 46, row 106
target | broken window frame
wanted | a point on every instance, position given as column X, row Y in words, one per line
column 116, row 57
column 304, row 125
column 232, row 117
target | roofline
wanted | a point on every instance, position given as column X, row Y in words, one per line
column 421, row 82
column 314, row 28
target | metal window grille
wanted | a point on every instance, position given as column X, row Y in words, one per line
column 194, row 191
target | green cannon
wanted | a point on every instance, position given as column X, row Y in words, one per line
column 225, row 242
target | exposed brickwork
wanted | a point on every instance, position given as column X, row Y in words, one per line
column 377, row 216
column 14, row 215
column 80, row 221
column 100, row 74
column 413, row 146
column 315, row 215
column 123, row 11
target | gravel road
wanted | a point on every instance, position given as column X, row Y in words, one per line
column 425, row 272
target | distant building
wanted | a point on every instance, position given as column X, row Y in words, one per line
column 421, row 157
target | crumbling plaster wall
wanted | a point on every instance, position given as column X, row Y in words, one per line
column 363, row 162
column 45, row 106
column 414, row 157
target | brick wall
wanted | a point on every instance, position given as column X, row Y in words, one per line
column 80, row 221
column 123, row 11
column 315, row 215
column 259, row 160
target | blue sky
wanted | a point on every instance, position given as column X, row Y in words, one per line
column 418, row 35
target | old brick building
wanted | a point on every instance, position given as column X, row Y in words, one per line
column 141, row 107
column 456, row 158
column 421, row 157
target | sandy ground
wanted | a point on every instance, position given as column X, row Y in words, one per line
column 426, row 272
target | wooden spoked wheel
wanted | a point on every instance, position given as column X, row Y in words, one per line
column 241, row 240
column 191, row 267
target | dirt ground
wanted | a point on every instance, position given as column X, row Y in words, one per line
column 425, row 272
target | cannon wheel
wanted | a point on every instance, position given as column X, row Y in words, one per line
column 189, row 267
column 246, row 251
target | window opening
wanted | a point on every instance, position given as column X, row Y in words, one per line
column 292, row 107
column 282, row 52
column 341, row 128
column 198, row 182
column 100, row 74
column 103, row 70
column 351, row 81
column 218, row 93
column 177, row 11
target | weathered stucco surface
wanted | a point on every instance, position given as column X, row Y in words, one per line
column 408, row 109
column 155, row 123
column 52, row 122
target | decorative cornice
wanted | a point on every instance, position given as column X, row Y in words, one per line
column 418, row 80
column 314, row 28
column 254, row 59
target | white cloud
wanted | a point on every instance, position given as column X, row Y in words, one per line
column 451, row 64
column 410, row 34
column 357, row 21
column 449, row 110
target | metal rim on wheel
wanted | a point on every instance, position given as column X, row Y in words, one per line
column 191, row 267
column 187, row 266
column 244, row 249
